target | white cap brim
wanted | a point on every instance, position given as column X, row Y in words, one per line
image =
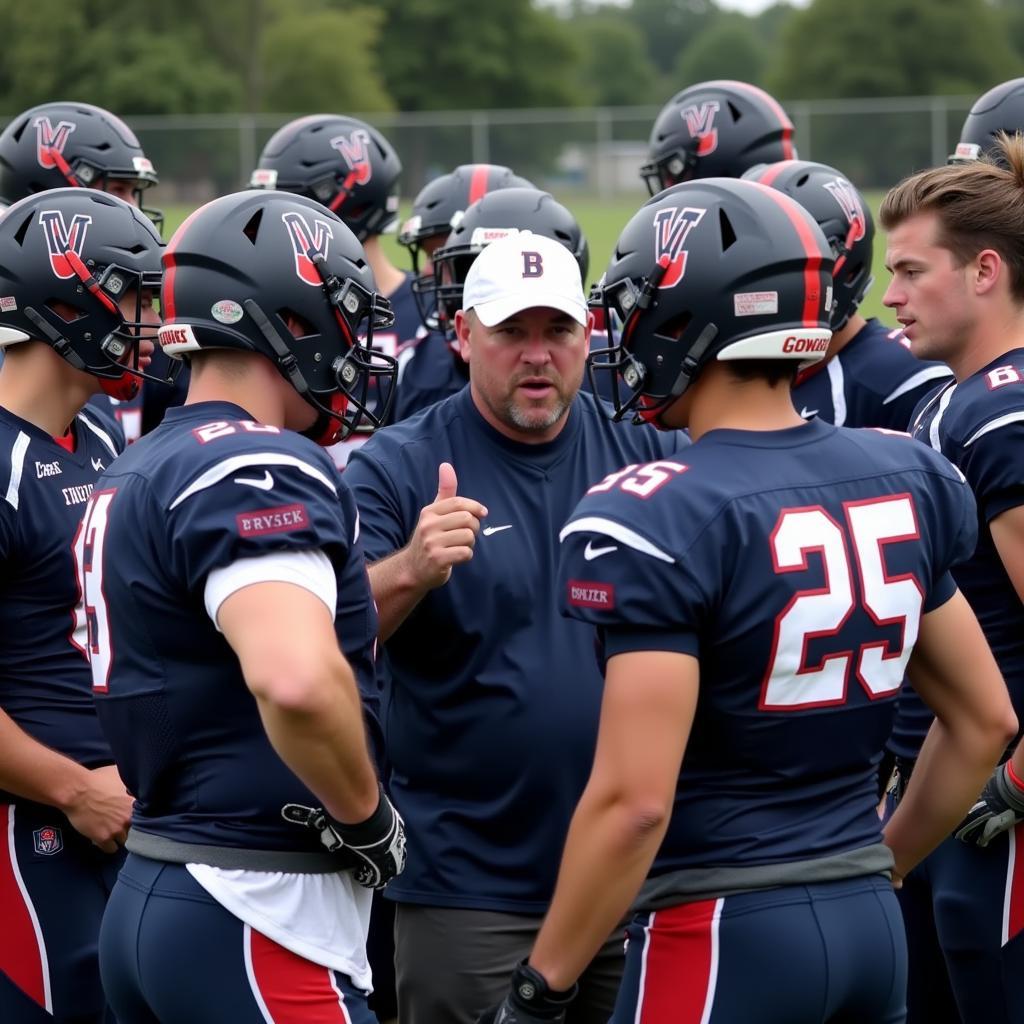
column 494, row 312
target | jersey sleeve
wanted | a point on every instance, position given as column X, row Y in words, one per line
column 249, row 506
column 6, row 530
column 640, row 596
column 993, row 462
column 385, row 523
column 900, row 404
column 956, row 516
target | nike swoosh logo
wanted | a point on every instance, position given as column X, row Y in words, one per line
column 808, row 413
column 264, row 485
column 590, row 552
column 488, row 530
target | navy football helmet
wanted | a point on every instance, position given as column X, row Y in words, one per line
column 710, row 269
column 56, row 145
column 438, row 209
column 244, row 267
column 1000, row 109
column 341, row 163
column 844, row 218
column 496, row 215
column 67, row 258
column 716, row 129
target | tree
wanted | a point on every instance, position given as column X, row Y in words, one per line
column 834, row 48
column 729, row 48
column 615, row 69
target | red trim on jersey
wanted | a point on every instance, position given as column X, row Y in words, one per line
column 67, row 442
column 679, row 961
column 294, row 990
column 170, row 269
column 21, row 958
column 1013, row 907
column 812, row 298
column 478, row 183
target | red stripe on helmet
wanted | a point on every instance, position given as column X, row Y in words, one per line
column 788, row 153
column 478, row 183
column 170, row 262
column 812, row 297
column 770, row 173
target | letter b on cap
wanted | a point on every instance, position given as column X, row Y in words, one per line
column 533, row 264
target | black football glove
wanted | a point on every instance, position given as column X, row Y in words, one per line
column 531, row 1001
column 374, row 850
column 1000, row 807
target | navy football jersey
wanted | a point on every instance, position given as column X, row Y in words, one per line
column 395, row 341
column 492, row 705
column 873, row 381
column 430, row 372
column 207, row 488
column 795, row 564
column 979, row 426
column 44, row 672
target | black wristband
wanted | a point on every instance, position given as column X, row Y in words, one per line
column 370, row 829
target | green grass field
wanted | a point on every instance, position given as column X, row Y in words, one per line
column 601, row 222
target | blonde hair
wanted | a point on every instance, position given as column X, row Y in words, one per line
column 980, row 205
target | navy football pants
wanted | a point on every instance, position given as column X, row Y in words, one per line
column 830, row 953
column 964, row 912
column 170, row 954
column 54, row 885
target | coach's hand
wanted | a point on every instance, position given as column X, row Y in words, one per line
column 1000, row 807
column 530, row 1001
column 445, row 533
column 374, row 849
column 102, row 809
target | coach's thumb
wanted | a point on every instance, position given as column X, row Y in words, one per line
column 447, row 482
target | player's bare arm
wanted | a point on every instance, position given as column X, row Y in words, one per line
column 284, row 638
column 622, row 816
column 444, row 537
column 954, row 671
column 94, row 800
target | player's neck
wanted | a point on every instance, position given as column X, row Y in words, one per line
column 998, row 334
column 245, row 379
column 846, row 334
column 722, row 402
column 385, row 273
column 41, row 388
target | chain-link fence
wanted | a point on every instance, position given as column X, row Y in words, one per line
column 595, row 151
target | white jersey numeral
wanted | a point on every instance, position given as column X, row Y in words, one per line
column 790, row 682
column 89, row 552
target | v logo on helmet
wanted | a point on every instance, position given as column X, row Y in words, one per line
column 50, row 140
column 671, row 228
column 700, row 123
column 849, row 201
column 307, row 241
column 63, row 238
column 355, row 151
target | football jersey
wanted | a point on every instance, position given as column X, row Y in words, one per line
column 873, row 381
column 795, row 565
column 393, row 342
column 207, row 488
column 492, row 702
column 979, row 426
column 44, row 672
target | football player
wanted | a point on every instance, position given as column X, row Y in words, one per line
column 1001, row 109
column 757, row 600
column 77, row 274
column 868, row 378
column 956, row 254
column 349, row 167
column 712, row 129
column 232, row 632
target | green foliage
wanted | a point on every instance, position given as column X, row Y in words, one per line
column 835, row 48
column 729, row 48
column 616, row 69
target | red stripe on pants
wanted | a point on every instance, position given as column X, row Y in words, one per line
column 1015, row 882
column 20, row 956
column 295, row 990
column 677, row 964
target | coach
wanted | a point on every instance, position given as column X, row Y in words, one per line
column 493, row 703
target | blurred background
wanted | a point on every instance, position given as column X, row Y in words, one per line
column 562, row 91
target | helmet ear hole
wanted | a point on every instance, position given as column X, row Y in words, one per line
column 252, row 227
column 676, row 327
column 727, row 230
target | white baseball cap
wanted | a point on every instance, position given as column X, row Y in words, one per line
column 524, row 271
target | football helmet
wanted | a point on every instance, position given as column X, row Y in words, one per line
column 339, row 162
column 710, row 269
column 1000, row 109
column 716, row 129
column 245, row 267
column 496, row 215
column 67, row 256
column 844, row 218
column 59, row 144
column 438, row 209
